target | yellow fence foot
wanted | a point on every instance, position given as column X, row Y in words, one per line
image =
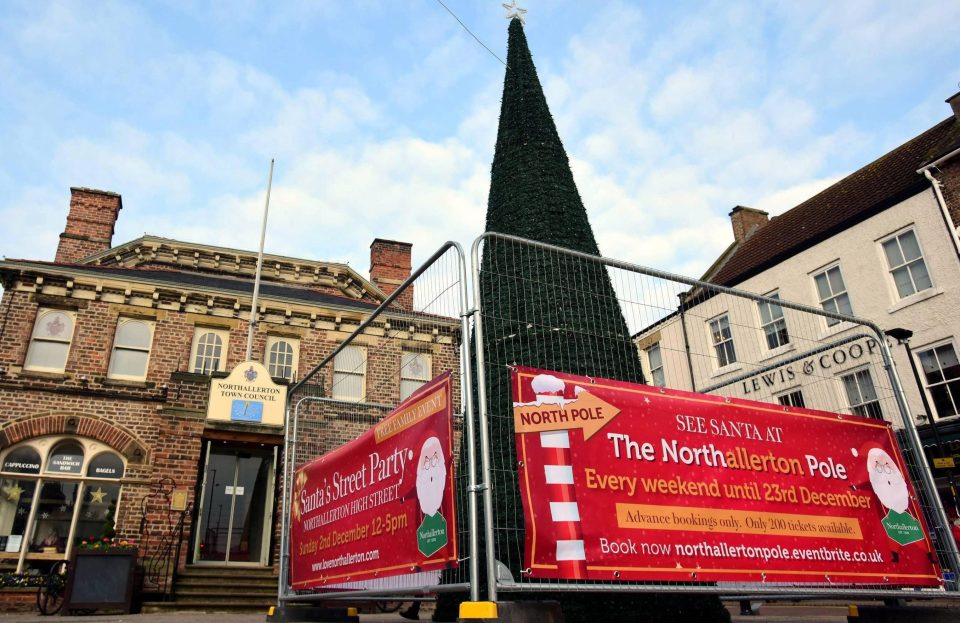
column 478, row 610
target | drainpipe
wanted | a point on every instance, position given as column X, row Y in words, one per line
column 941, row 202
column 686, row 342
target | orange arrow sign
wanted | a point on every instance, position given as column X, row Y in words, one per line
column 587, row 412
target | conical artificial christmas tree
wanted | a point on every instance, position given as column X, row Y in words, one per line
column 548, row 310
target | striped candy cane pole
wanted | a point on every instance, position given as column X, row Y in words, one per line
column 558, row 468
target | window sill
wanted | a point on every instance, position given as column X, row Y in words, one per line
column 190, row 377
column 779, row 350
column 913, row 299
column 47, row 376
column 108, row 382
column 727, row 369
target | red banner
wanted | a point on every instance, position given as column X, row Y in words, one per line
column 383, row 504
column 632, row 482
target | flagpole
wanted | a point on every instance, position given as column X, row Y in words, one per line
column 256, row 280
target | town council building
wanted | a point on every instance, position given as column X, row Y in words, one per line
column 107, row 357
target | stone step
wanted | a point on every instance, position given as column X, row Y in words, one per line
column 215, row 583
column 216, row 591
column 202, row 588
column 219, row 605
column 229, row 572
column 203, row 599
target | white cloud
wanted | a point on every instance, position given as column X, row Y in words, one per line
column 668, row 119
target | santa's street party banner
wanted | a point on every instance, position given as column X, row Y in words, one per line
column 632, row 482
column 383, row 504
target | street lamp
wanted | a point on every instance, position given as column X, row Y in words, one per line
column 902, row 336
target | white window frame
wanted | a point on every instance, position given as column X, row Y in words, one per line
column 338, row 372
column 200, row 331
column 786, row 398
column 151, row 325
column 717, row 345
column 660, row 368
column 406, row 376
column 928, row 386
column 44, row 446
column 766, row 326
column 853, row 408
column 294, row 343
column 890, row 269
column 42, row 313
column 833, row 297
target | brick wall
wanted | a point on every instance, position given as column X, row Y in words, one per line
column 90, row 224
column 950, row 186
column 159, row 424
column 389, row 267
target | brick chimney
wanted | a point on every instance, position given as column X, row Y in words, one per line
column 746, row 221
column 90, row 222
column 954, row 101
column 389, row 267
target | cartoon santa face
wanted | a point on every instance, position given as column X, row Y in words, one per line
column 887, row 481
column 431, row 476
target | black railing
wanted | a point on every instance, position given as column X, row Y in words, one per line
column 161, row 538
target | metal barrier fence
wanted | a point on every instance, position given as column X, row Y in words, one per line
column 374, row 362
column 543, row 306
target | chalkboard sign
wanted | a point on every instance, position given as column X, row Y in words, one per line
column 101, row 580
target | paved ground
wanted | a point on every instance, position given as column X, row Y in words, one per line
column 822, row 612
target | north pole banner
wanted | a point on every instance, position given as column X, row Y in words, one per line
column 383, row 504
column 621, row 481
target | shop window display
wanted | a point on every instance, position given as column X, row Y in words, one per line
column 55, row 492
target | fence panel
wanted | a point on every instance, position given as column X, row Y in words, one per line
column 546, row 307
column 373, row 362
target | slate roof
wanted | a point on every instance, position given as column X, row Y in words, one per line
column 881, row 184
column 199, row 281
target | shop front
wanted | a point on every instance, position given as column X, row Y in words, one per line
column 55, row 493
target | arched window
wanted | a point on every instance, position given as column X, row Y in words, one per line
column 131, row 349
column 22, row 460
column 208, row 351
column 66, row 458
column 281, row 357
column 45, row 513
column 50, row 341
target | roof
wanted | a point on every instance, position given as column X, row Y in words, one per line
column 203, row 281
column 131, row 253
column 879, row 185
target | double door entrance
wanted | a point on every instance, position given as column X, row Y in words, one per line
column 236, row 505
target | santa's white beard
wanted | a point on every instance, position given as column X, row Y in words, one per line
column 430, row 490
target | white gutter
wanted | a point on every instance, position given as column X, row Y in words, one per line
column 940, row 160
column 951, row 227
column 941, row 202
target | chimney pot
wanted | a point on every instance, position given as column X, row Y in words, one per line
column 746, row 221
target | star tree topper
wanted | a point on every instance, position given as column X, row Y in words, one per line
column 513, row 11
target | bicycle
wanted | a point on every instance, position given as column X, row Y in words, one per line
column 50, row 593
column 389, row 606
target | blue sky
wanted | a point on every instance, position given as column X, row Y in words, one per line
column 382, row 115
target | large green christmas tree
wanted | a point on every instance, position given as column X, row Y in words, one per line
column 548, row 310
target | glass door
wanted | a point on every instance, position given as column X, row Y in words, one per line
column 236, row 505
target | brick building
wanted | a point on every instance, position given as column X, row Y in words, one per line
column 106, row 360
